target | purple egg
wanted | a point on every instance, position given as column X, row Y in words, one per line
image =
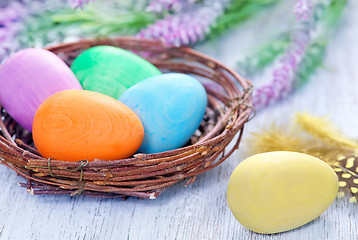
column 28, row 78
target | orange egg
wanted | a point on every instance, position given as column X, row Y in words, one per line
column 73, row 125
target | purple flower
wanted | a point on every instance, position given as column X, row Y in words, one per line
column 78, row 3
column 186, row 27
column 158, row 6
column 303, row 9
column 10, row 24
column 284, row 75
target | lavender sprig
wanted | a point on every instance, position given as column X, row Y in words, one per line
column 10, row 25
column 78, row 3
column 329, row 15
column 186, row 27
column 303, row 9
column 160, row 6
column 284, row 75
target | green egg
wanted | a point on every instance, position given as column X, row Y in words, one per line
column 111, row 70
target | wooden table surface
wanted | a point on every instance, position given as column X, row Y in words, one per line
column 200, row 211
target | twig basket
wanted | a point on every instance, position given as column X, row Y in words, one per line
column 143, row 175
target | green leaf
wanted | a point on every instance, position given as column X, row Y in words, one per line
column 238, row 12
column 265, row 55
column 312, row 60
column 333, row 13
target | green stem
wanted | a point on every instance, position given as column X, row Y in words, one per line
column 311, row 61
column 265, row 55
column 238, row 12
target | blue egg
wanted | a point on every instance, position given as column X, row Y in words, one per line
column 171, row 107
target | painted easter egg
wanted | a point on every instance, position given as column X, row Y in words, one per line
column 73, row 125
column 29, row 77
column 279, row 191
column 111, row 70
column 171, row 107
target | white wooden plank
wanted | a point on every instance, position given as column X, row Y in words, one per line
column 200, row 211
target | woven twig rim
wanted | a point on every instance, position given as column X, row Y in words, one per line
column 143, row 175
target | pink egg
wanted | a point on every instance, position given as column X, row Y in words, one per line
column 28, row 78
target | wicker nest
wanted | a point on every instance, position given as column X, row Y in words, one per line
column 143, row 175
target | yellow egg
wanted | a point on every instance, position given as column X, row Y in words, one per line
column 279, row 191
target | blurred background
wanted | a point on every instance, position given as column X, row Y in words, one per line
column 301, row 56
column 289, row 38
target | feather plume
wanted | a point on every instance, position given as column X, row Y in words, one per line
column 321, row 128
column 318, row 137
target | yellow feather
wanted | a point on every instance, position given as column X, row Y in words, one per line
column 323, row 129
column 274, row 139
column 293, row 138
column 317, row 137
